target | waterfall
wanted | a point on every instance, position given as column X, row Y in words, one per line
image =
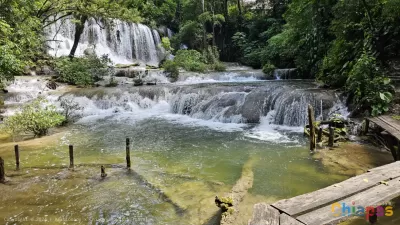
column 170, row 33
column 124, row 42
column 280, row 103
column 285, row 74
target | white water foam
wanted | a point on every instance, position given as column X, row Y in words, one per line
column 266, row 131
column 227, row 77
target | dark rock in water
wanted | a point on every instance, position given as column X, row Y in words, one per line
column 5, row 91
column 138, row 82
column 52, row 85
column 151, row 83
column 251, row 107
column 120, row 73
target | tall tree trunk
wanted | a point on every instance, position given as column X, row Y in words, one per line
column 240, row 18
column 226, row 8
column 204, row 28
column 78, row 32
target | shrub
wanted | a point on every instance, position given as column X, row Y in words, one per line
column 269, row 70
column 70, row 107
column 171, row 68
column 218, row 66
column 196, row 67
column 211, row 55
column 190, row 60
column 37, row 118
column 83, row 71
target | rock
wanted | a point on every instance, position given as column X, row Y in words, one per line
column 52, row 85
column 46, row 70
column 5, row 91
column 250, row 109
column 89, row 51
column 151, row 67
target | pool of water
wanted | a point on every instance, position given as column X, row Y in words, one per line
column 181, row 166
column 188, row 145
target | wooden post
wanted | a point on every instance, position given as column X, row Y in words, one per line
column 103, row 172
column 311, row 120
column 331, row 136
column 16, row 149
column 128, row 154
column 2, row 176
column 71, row 156
column 319, row 137
column 366, row 127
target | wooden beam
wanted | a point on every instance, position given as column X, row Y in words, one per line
column 319, row 136
column 264, row 214
column 331, row 137
column 366, row 126
column 2, row 172
column 16, row 150
column 373, row 196
column 311, row 121
column 285, row 219
column 128, row 154
column 71, row 156
column 311, row 201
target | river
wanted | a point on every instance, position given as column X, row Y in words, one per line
column 191, row 141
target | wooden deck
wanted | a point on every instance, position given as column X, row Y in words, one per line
column 377, row 186
column 387, row 123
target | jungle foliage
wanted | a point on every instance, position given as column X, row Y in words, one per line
column 330, row 40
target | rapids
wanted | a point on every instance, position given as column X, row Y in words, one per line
column 191, row 141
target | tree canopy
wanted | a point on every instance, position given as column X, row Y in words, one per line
column 330, row 40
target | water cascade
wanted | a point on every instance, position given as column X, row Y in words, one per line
column 124, row 42
column 282, row 104
column 284, row 74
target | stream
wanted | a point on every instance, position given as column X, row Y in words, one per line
column 190, row 142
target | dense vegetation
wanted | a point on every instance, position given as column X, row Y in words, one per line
column 343, row 44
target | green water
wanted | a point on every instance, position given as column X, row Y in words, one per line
column 181, row 169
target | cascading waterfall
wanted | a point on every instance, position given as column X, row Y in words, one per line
column 284, row 74
column 124, row 42
column 273, row 103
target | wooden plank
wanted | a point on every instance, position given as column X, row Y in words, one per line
column 264, row 214
column 372, row 197
column 394, row 132
column 386, row 167
column 392, row 122
column 288, row 220
column 310, row 201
